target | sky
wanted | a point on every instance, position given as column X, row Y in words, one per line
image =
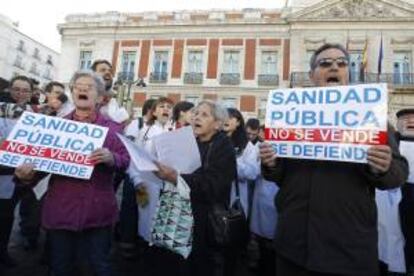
column 38, row 19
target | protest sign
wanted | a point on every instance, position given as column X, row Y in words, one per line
column 53, row 145
column 327, row 123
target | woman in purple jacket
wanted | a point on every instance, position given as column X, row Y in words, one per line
column 79, row 212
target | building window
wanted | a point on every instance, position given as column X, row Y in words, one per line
column 49, row 60
column 194, row 74
column 262, row 108
column 85, row 60
column 18, row 62
column 195, row 62
column 402, row 68
column 192, row 99
column 268, row 69
column 36, row 54
column 230, row 74
column 160, row 67
column 20, row 46
column 269, row 63
column 128, row 65
column 33, row 69
column 47, row 74
column 231, row 62
column 356, row 72
column 229, row 102
column 309, row 54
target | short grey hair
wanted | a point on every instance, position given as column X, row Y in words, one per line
column 324, row 47
column 98, row 80
column 218, row 112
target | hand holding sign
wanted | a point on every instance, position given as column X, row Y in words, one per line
column 379, row 158
column 25, row 173
column 267, row 155
column 102, row 155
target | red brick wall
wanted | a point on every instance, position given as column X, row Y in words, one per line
column 115, row 56
column 248, row 103
column 250, row 59
column 162, row 42
column 286, row 59
column 213, row 50
column 232, row 42
column 144, row 59
column 196, row 42
column 175, row 97
column 270, row 42
column 130, row 43
column 177, row 59
column 139, row 98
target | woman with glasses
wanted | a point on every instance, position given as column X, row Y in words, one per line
column 79, row 213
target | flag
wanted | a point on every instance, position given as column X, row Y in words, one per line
column 364, row 62
column 365, row 56
column 380, row 57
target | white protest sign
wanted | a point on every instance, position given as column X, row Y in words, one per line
column 53, row 145
column 327, row 123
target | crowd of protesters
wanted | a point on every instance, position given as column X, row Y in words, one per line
column 305, row 217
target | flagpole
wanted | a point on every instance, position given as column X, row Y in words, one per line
column 380, row 58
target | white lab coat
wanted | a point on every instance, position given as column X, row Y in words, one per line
column 152, row 183
column 264, row 215
column 248, row 168
column 390, row 238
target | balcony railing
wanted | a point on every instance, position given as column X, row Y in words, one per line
column 126, row 76
column 268, row 80
column 158, row 77
column 230, row 78
column 193, row 78
column 301, row 79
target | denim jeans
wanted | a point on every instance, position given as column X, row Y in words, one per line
column 95, row 245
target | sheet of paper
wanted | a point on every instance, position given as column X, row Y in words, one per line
column 141, row 159
column 178, row 149
column 407, row 150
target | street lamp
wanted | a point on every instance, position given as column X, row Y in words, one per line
column 125, row 81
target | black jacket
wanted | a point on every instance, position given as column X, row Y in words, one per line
column 211, row 183
column 327, row 212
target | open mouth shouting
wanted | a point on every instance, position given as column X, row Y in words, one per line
column 333, row 81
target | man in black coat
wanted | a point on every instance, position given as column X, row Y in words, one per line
column 405, row 135
column 327, row 221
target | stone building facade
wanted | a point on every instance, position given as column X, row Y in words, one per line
column 238, row 56
column 22, row 55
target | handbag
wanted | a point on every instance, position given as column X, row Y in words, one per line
column 228, row 226
column 173, row 223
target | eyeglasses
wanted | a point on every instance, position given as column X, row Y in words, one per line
column 21, row 90
column 80, row 87
column 328, row 62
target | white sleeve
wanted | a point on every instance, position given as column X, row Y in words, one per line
column 248, row 164
column 132, row 129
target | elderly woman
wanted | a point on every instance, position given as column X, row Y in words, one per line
column 78, row 212
column 210, row 184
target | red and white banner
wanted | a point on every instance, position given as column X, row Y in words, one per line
column 327, row 123
column 53, row 145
